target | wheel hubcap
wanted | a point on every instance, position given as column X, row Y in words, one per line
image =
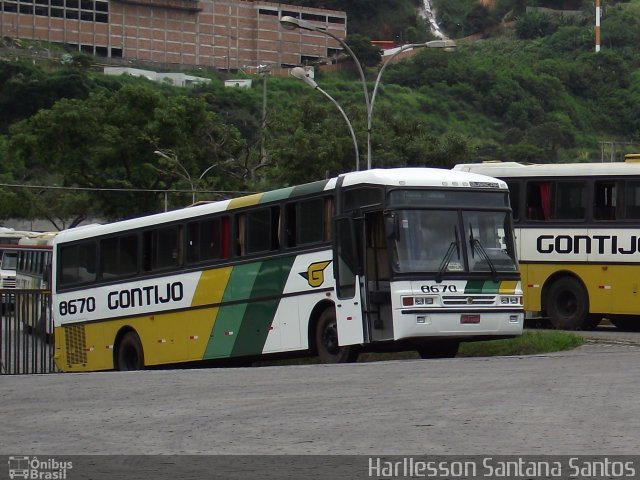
column 330, row 338
column 567, row 303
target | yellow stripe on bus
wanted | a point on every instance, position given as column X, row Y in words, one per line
column 211, row 286
column 245, row 201
column 507, row 287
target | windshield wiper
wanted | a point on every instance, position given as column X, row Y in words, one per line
column 453, row 246
column 475, row 243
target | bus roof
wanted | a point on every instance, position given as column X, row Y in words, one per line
column 42, row 239
column 515, row 169
column 401, row 177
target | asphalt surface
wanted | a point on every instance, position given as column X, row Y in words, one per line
column 578, row 402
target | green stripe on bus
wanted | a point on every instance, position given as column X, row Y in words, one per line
column 259, row 315
column 481, row 286
column 308, row 188
column 229, row 319
column 225, row 331
column 242, row 328
column 276, row 195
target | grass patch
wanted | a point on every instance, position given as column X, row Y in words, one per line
column 529, row 343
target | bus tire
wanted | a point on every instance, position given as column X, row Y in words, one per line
column 327, row 344
column 41, row 329
column 626, row 323
column 439, row 349
column 130, row 355
column 567, row 305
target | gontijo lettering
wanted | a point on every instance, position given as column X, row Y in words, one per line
column 144, row 296
column 601, row 244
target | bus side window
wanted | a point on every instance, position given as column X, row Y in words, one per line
column 241, row 221
column 290, row 225
column 119, row 256
column 328, row 219
column 632, row 200
column 310, row 221
column 605, row 199
column 161, row 248
column 78, row 264
column 570, row 201
column 538, row 200
column 225, row 238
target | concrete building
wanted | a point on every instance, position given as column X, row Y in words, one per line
column 224, row 34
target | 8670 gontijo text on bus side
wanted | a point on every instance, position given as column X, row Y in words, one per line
column 127, row 298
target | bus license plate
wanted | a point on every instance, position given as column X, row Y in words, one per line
column 469, row 318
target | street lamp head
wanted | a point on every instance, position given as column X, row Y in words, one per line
column 291, row 23
column 160, row 153
column 301, row 74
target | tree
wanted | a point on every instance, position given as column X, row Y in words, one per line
column 106, row 143
column 368, row 54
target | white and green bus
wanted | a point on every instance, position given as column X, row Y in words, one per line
column 373, row 260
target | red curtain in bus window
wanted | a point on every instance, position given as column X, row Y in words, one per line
column 224, row 241
column 545, row 199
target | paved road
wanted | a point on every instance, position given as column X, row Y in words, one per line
column 578, row 402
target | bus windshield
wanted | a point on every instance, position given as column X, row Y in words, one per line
column 453, row 241
column 9, row 261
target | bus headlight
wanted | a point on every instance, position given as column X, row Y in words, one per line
column 418, row 301
column 507, row 300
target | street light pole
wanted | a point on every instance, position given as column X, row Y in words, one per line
column 301, row 74
column 185, row 174
column 291, row 23
column 446, row 44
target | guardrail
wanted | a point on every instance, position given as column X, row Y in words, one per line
column 26, row 332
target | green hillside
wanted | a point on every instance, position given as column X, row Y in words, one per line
column 534, row 92
column 397, row 20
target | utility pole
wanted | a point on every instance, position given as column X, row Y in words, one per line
column 597, row 25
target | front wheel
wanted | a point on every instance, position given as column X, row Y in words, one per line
column 567, row 305
column 329, row 350
column 130, row 355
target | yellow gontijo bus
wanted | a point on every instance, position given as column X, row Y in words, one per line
column 578, row 239
column 380, row 259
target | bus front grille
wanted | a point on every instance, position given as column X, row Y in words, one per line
column 75, row 342
column 451, row 300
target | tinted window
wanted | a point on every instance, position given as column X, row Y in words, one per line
column 77, row 264
column 161, row 249
column 570, row 201
column 205, row 239
column 118, row 256
column 361, row 197
column 632, row 200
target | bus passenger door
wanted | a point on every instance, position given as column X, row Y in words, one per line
column 348, row 272
column 378, row 278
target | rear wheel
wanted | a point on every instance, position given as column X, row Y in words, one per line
column 41, row 329
column 329, row 349
column 567, row 304
column 130, row 355
column 439, row 349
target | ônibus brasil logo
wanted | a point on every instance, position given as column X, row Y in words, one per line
column 38, row 469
